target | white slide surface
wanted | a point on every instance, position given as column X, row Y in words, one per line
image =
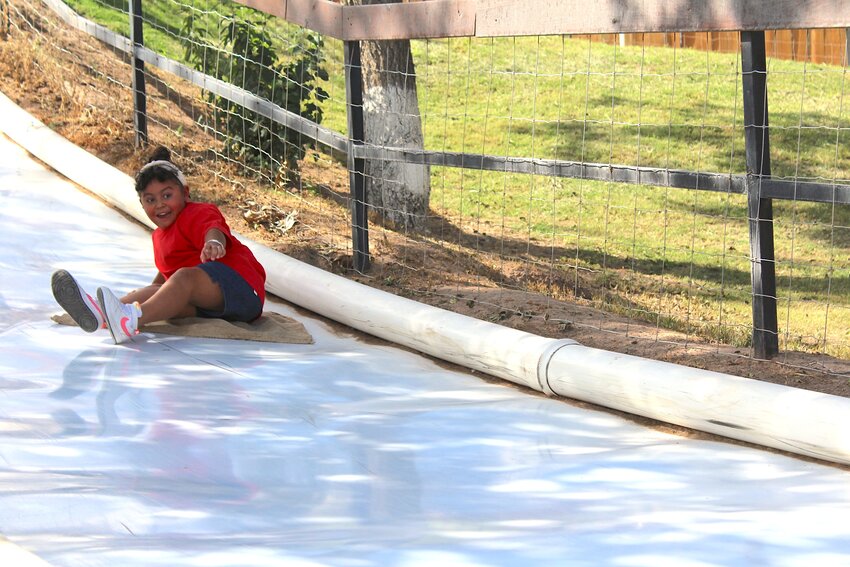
column 179, row 451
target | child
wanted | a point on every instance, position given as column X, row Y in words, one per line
column 203, row 270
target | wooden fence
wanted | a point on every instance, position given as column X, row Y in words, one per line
column 827, row 46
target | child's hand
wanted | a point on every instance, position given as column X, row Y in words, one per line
column 212, row 250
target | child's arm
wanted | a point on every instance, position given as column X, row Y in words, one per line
column 215, row 245
column 158, row 279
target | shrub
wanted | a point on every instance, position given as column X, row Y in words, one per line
column 241, row 51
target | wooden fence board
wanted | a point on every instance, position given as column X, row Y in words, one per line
column 318, row 15
column 493, row 18
column 801, row 30
column 547, row 17
column 273, row 7
column 436, row 18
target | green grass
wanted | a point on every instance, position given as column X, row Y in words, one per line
column 674, row 257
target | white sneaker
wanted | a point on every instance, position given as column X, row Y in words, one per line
column 81, row 306
column 121, row 318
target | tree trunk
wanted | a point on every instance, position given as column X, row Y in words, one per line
column 399, row 192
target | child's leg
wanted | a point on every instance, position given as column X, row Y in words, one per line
column 141, row 295
column 180, row 295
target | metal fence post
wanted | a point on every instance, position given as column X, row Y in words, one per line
column 356, row 165
column 140, row 105
column 760, row 211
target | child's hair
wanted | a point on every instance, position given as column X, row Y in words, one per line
column 159, row 167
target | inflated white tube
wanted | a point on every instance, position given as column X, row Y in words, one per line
column 790, row 419
column 799, row 421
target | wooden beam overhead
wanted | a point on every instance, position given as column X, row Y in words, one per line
column 494, row 18
column 550, row 17
column 418, row 20
column 318, row 15
column 273, row 7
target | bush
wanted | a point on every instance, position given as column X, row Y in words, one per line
column 245, row 55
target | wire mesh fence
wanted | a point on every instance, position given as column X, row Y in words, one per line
column 612, row 264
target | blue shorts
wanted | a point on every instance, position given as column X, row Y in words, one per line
column 241, row 302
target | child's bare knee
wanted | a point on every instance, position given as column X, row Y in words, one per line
column 188, row 276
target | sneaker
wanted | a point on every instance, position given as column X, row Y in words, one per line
column 81, row 306
column 121, row 319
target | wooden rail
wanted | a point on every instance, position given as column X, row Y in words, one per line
column 494, row 18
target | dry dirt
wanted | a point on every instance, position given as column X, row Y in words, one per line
column 81, row 92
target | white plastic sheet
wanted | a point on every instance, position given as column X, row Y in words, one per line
column 175, row 451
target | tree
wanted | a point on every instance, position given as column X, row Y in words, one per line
column 398, row 191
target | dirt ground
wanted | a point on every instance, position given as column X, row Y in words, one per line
column 81, row 91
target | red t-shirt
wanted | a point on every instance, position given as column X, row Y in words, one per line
column 180, row 245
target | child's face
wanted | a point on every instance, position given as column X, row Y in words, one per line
column 163, row 201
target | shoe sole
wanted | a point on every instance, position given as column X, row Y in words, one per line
column 67, row 293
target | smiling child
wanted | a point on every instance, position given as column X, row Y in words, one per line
column 203, row 270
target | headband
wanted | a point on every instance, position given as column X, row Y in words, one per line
column 168, row 166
